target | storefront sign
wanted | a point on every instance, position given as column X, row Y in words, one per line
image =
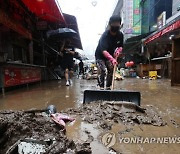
column 136, row 17
column 172, row 27
column 161, row 20
column 4, row 19
column 17, row 76
column 128, row 4
column 153, row 37
column 145, row 20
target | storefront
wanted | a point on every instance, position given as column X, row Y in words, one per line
column 21, row 41
column 161, row 46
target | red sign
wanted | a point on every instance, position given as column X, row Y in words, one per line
column 153, row 37
column 17, row 76
column 4, row 19
column 172, row 27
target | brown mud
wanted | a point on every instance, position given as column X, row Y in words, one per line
column 156, row 95
column 18, row 125
column 107, row 113
column 124, row 120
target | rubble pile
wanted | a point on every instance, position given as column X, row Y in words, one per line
column 17, row 126
column 41, row 132
column 106, row 113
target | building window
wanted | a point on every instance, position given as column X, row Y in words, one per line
column 17, row 53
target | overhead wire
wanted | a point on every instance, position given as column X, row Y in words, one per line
column 146, row 13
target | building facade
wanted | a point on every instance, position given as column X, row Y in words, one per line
column 175, row 6
column 151, row 10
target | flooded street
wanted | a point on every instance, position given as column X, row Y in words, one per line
column 157, row 94
column 40, row 96
column 53, row 51
column 153, row 92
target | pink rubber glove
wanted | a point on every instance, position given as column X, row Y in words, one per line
column 109, row 57
column 114, row 62
column 61, row 119
column 118, row 51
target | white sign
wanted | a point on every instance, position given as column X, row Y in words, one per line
column 161, row 20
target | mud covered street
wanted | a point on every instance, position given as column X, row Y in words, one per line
column 158, row 115
column 35, row 128
column 89, row 77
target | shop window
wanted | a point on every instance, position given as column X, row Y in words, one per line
column 17, row 53
column 24, row 56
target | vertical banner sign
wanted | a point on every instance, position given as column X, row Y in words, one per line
column 128, row 5
column 145, row 18
column 136, row 17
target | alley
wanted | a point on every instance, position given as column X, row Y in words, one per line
column 89, row 77
column 153, row 92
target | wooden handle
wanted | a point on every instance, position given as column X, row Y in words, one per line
column 113, row 77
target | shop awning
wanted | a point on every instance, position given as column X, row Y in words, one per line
column 131, row 43
column 45, row 9
column 166, row 29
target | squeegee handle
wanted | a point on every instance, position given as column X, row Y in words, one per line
column 113, row 77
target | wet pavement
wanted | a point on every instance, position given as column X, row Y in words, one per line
column 40, row 96
column 157, row 93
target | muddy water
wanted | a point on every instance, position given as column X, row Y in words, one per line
column 159, row 93
column 81, row 131
column 128, row 129
column 40, row 96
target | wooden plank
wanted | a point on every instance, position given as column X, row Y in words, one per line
column 176, row 59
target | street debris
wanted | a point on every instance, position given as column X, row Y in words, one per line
column 45, row 131
column 175, row 124
column 106, row 113
column 20, row 130
column 61, row 119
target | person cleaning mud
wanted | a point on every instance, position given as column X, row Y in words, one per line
column 108, row 50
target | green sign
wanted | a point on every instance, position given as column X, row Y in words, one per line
column 136, row 17
column 145, row 17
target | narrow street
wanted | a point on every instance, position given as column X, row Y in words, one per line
column 51, row 92
column 153, row 92
column 156, row 93
column 89, row 77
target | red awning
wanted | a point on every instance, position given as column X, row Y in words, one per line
column 45, row 9
column 167, row 29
